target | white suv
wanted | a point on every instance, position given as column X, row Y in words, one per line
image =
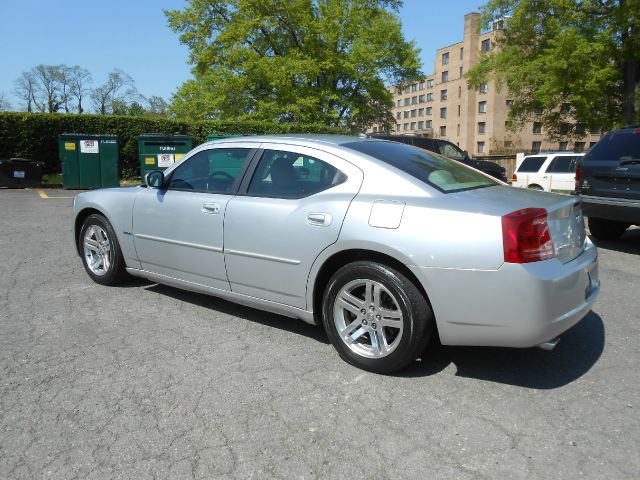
column 547, row 171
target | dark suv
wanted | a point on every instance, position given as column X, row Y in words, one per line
column 449, row 150
column 608, row 178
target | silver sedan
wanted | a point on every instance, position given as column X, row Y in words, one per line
column 387, row 246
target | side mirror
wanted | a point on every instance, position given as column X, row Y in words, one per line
column 154, row 179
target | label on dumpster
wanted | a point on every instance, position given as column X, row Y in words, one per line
column 69, row 145
column 165, row 160
column 18, row 174
column 178, row 156
column 149, row 161
column 89, row 146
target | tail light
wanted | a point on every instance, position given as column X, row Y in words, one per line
column 525, row 236
column 578, row 177
column 514, row 178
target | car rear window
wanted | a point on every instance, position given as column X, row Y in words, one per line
column 615, row 146
column 440, row 172
column 531, row 164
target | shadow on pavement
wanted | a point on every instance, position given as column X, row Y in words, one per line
column 628, row 243
column 578, row 350
column 268, row 319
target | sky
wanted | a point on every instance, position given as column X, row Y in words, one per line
column 133, row 35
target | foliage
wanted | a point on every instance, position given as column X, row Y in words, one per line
column 566, row 63
column 35, row 135
column 294, row 61
column 114, row 96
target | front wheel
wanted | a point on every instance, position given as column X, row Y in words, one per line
column 101, row 254
column 375, row 317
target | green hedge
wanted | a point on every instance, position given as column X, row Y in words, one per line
column 35, row 135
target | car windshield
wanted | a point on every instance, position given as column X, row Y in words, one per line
column 440, row 172
column 616, row 146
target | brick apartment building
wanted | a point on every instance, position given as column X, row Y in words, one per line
column 442, row 106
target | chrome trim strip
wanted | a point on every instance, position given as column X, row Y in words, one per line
column 178, row 242
column 239, row 253
column 622, row 202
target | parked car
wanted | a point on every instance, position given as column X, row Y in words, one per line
column 449, row 150
column 551, row 171
column 375, row 240
column 608, row 179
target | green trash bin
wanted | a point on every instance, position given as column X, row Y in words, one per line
column 89, row 161
column 157, row 151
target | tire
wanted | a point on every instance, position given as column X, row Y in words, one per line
column 100, row 251
column 604, row 229
column 409, row 323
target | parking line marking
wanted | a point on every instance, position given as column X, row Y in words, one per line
column 44, row 196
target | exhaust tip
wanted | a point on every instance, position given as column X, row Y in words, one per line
column 550, row 345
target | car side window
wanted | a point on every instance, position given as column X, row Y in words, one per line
column 282, row 174
column 450, row 151
column 531, row 164
column 561, row 165
column 210, row 171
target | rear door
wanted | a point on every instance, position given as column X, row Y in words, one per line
column 561, row 173
column 528, row 171
column 612, row 167
column 287, row 211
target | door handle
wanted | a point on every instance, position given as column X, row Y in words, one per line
column 210, row 208
column 319, row 219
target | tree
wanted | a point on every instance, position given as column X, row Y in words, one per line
column 296, row 61
column 114, row 96
column 79, row 81
column 25, row 89
column 566, row 63
column 50, row 86
column 157, row 106
column 5, row 106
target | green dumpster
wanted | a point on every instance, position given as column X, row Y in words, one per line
column 157, row 151
column 218, row 136
column 89, row 161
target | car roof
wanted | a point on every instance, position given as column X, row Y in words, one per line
column 555, row 154
column 298, row 139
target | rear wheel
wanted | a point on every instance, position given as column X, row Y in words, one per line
column 101, row 254
column 604, row 229
column 375, row 317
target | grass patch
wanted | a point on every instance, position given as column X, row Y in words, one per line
column 52, row 179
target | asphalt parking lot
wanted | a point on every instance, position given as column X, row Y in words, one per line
column 146, row 381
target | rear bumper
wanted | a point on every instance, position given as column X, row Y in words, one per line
column 514, row 306
column 618, row 209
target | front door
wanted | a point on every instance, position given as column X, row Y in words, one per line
column 178, row 230
column 292, row 209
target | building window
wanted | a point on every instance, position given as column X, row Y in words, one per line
column 413, row 125
column 421, row 86
column 420, row 125
column 414, row 87
column 579, row 147
column 595, row 130
column 458, row 110
column 399, row 102
column 581, row 129
column 537, row 127
column 445, row 58
column 413, row 113
column 591, row 144
column 461, row 53
column 406, row 89
column 406, row 114
column 375, row 129
column 399, row 115
column 428, row 123
column 407, row 101
column 443, row 112
column 565, row 108
column 485, row 46
column 429, row 97
column 460, row 72
column 480, row 147
column 421, row 112
column 429, row 110
column 484, row 87
column 397, row 127
column 459, row 91
column 482, row 107
column 414, row 100
column 563, row 146
column 406, row 126
column 535, row 147
column 458, row 129
column 421, row 98
column 443, row 95
column 443, row 131
column 430, row 83
column 509, row 103
column 445, row 76
column 482, row 126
